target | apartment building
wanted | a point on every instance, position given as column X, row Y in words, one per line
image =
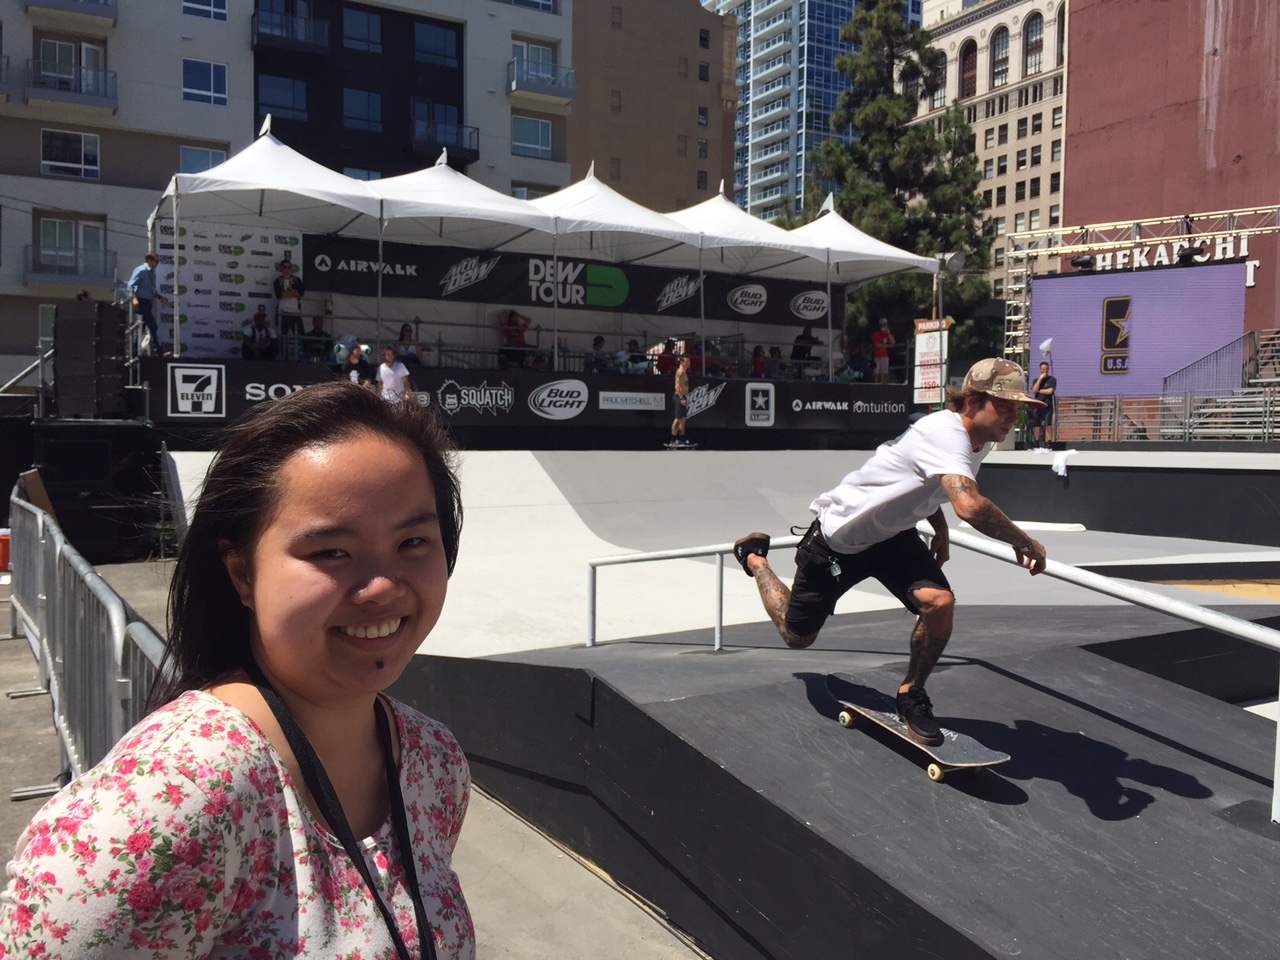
column 379, row 89
column 1005, row 62
column 101, row 101
column 789, row 87
column 656, row 99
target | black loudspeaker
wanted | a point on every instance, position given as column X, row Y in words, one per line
column 89, row 359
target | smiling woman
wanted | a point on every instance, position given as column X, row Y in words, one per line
column 276, row 798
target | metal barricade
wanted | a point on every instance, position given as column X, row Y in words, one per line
column 96, row 665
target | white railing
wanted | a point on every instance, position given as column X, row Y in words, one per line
column 95, row 664
column 1139, row 596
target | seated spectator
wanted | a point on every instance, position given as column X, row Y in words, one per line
column 758, row 362
column 407, row 351
column 597, row 359
column 317, row 345
column 84, row 295
column 667, row 360
column 514, row 352
column 775, row 368
column 637, row 362
column 804, row 344
column 863, row 367
column 357, row 369
column 260, row 341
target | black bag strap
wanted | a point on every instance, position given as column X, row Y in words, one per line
column 326, row 796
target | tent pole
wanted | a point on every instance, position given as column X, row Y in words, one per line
column 555, row 294
column 702, row 306
column 382, row 226
column 831, row 355
column 177, row 305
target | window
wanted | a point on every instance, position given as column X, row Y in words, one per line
column 1033, row 45
column 615, row 17
column 1055, row 182
column 1055, row 150
column 999, row 58
column 997, row 257
column 535, row 61
column 1055, row 215
column 682, row 68
column 989, row 168
column 997, row 289
column 1035, row 156
column 73, row 246
column 361, row 110
column 1033, row 220
column 209, row 9
column 1020, row 191
column 702, row 179
column 615, row 101
column 1033, row 188
column 67, row 154
column 1057, row 117
column 1022, row 129
column 615, row 168
column 703, row 146
column 434, row 43
column 1022, row 159
column 682, row 145
column 530, row 191
column 704, row 39
column 1019, row 222
column 282, row 97
column 703, row 118
column 199, row 159
column 704, row 70
column 968, row 70
column 986, row 199
column 940, row 78
column 989, row 138
column 1062, row 33
column 530, row 137
column 1000, row 228
column 359, row 173
column 1001, row 196
column 1003, row 133
column 1037, row 122
column 361, row 30
column 1057, row 85
column 204, row 82
column 1002, row 164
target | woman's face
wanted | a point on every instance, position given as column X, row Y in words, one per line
column 406, row 332
column 349, row 574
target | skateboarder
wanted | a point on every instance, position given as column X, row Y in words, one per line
column 680, row 402
column 865, row 527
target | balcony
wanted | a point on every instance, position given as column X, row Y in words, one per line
column 68, row 267
column 778, row 66
column 764, row 6
column 770, row 151
column 280, row 31
column 78, row 86
column 780, row 106
column 772, row 132
column 462, row 142
column 781, row 40
column 541, row 85
column 95, row 18
column 777, row 83
column 769, row 174
column 770, row 26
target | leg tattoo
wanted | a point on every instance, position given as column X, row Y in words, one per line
column 777, row 598
column 925, row 651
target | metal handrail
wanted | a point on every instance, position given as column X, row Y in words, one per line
column 26, row 371
column 1180, row 609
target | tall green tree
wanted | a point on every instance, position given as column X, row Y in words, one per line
column 914, row 185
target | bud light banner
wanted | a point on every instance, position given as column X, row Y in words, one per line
column 350, row 266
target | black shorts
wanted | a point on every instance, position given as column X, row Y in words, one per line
column 680, row 406
column 1040, row 416
column 902, row 564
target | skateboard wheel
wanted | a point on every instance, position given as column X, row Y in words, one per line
column 936, row 773
column 846, row 718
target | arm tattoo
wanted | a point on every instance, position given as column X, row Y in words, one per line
column 983, row 515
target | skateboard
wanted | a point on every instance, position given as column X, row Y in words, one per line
column 680, row 446
column 956, row 752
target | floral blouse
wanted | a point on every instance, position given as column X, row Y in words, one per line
column 190, row 839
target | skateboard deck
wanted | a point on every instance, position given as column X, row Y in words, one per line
column 680, row 446
column 956, row 752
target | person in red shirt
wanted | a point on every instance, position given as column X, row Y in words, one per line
column 881, row 341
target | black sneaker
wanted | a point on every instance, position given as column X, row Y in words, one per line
column 915, row 710
column 756, row 544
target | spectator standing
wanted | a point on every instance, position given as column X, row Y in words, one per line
column 407, row 350
column 680, row 402
column 357, row 369
column 317, row 345
column 515, row 351
column 393, row 376
column 289, row 291
column 260, row 341
column 881, row 341
column 1041, row 420
column 143, row 287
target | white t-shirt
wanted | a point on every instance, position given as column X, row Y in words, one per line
column 900, row 485
column 392, row 379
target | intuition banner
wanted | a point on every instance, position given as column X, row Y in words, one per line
column 350, row 266
column 195, row 393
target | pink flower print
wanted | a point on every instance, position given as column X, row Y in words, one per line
column 217, row 804
column 237, row 738
column 126, row 765
column 330, row 890
column 188, row 850
column 58, row 931
column 84, row 852
column 143, row 897
column 173, row 793
column 139, row 843
column 22, row 918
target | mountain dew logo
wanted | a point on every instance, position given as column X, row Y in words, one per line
column 182, row 261
column 182, row 231
column 182, row 290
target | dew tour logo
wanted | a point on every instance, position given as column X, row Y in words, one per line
column 704, row 397
column 465, row 273
column 197, row 390
column 454, row 397
column 681, row 288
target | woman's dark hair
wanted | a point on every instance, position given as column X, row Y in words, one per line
column 403, row 328
column 208, row 625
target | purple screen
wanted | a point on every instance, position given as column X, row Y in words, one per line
column 1160, row 321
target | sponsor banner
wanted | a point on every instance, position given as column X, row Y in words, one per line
column 220, row 275
column 350, row 266
column 215, row 392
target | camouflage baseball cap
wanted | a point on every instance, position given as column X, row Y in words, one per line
column 999, row 378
